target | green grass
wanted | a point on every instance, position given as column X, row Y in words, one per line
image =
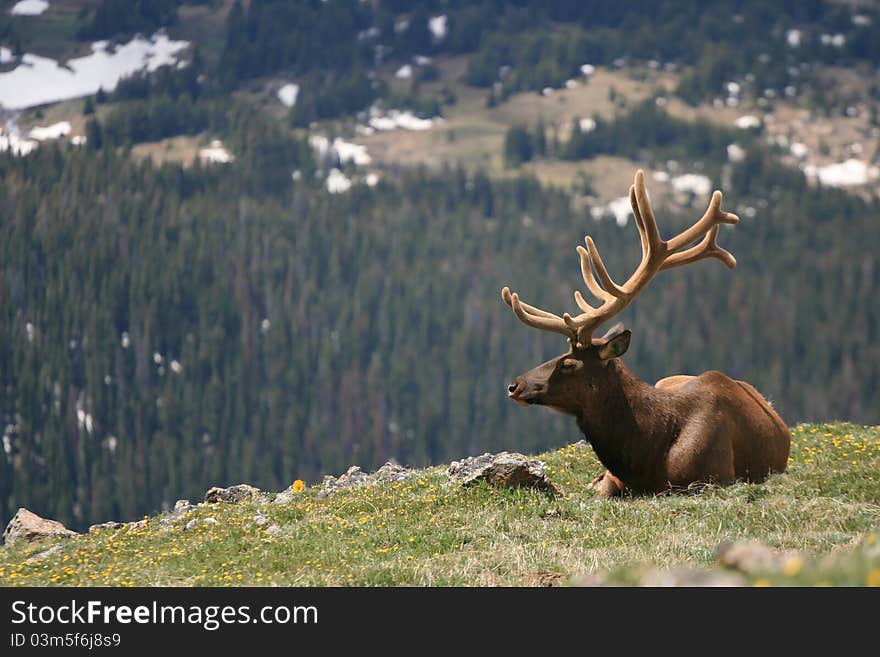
column 423, row 532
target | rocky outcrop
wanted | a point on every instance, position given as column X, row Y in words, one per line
column 354, row 477
column 31, row 528
column 751, row 557
column 503, row 469
column 390, row 472
column 106, row 526
column 692, row 577
column 233, row 494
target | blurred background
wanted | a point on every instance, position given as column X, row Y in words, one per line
column 261, row 241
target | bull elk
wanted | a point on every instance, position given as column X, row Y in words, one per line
column 683, row 429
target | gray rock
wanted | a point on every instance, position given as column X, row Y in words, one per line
column 391, row 472
column 31, row 528
column 503, row 469
column 752, row 557
column 195, row 522
column 181, row 509
column 55, row 549
column 138, row 524
column 260, row 519
column 286, row 496
column 233, row 494
column 111, row 525
column 273, row 530
column 692, row 577
column 581, row 444
column 354, row 477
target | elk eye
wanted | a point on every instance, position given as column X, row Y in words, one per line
column 568, row 365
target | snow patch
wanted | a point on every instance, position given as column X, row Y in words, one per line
column 29, row 8
column 836, row 40
column 216, row 153
column 793, row 38
column 799, row 150
column 693, row 183
column 11, row 141
column 438, row 27
column 587, row 70
column 404, row 72
column 40, row 80
column 587, row 125
column 288, row 93
column 5, row 55
column 337, row 182
column 748, row 122
column 735, row 153
column 344, row 150
column 54, row 131
column 397, row 119
column 661, row 176
column 850, row 173
column 619, row 208
column 350, row 152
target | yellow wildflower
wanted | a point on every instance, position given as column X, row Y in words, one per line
column 793, row 566
column 298, row 486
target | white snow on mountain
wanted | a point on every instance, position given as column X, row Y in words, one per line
column 39, row 80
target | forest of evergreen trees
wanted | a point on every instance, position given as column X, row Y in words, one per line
column 165, row 329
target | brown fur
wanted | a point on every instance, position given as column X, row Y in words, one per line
column 684, row 430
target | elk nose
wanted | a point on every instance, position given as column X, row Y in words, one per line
column 514, row 388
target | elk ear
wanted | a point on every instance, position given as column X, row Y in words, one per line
column 614, row 343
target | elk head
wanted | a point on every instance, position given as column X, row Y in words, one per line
column 562, row 383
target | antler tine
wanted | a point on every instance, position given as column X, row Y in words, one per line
column 610, row 286
column 640, row 223
column 589, row 279
column 713, row 216
column 707, row 248
column 535, row 317
column 656, row 247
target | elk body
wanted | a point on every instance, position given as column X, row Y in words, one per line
column 683, row 429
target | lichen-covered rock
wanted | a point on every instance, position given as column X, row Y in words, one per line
column 390, row 472
column 111, row 525
column 503, row 469
column 354, row 477
column 233, row 494
column 31, row 528
column 752, row 557
column 45, row 554
column 692, row 577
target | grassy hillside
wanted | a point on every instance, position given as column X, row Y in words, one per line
column 422, row 532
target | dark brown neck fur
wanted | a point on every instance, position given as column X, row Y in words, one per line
column 629, row 424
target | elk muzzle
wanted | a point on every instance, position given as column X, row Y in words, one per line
column 525, row 391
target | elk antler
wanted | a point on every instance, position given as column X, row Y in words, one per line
column 657, row 255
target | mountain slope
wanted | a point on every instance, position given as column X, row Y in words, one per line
column 422, row 531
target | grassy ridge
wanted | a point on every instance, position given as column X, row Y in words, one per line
column 422, row 532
